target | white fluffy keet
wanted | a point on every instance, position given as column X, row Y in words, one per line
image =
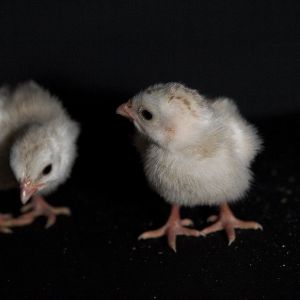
column 36, row 131
column 196, row 151
column 37, row 144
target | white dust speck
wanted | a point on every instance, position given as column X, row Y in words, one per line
column 283, row 200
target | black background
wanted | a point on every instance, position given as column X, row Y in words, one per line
column 96, row 54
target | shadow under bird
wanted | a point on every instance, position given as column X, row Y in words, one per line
column 195, row 151
column 37, row 150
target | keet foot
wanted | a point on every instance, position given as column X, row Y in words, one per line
column 39, row 207
column 7, row 222
column 173, row 227
column 227, row 221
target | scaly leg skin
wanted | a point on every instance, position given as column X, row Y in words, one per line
column 227, row 221
column 173, row 227
column 39, row 207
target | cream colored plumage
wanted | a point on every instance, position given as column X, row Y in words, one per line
column 196, row 151
column 37, row 148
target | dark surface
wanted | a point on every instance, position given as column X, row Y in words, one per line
column 95, row 253
column 102, row 53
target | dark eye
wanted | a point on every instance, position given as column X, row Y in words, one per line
column 47, row 169
column 146, row 114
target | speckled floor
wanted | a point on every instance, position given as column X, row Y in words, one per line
column 95, row 253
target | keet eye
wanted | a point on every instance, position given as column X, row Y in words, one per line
column 146, row 114
column 47, row 169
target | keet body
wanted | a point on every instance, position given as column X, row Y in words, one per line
column 196, row 151
column 37, row 148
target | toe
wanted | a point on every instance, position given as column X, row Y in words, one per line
column 62, row 211
column 152, row 234
column 230, row 232
column 189, row 232
column 212, row 228
column 172, row 239
column 247, row 225
column 187, row 222
column 22, row 220
column 212, row 218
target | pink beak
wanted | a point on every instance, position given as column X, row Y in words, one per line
column 27, row 189
column 125, row 111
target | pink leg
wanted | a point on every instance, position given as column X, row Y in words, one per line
column 173, row 227
column 227, row 221
column 39, row 207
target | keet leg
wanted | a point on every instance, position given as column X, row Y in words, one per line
column 173, row 227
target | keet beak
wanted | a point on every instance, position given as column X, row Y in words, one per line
column 125, row 111
column 27, row 189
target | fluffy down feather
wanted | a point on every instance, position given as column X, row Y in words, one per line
column 195, row 151
column 200, row 150
column 37, row 141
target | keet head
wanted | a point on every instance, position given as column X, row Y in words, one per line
column 40, row 160
column 168, row 114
